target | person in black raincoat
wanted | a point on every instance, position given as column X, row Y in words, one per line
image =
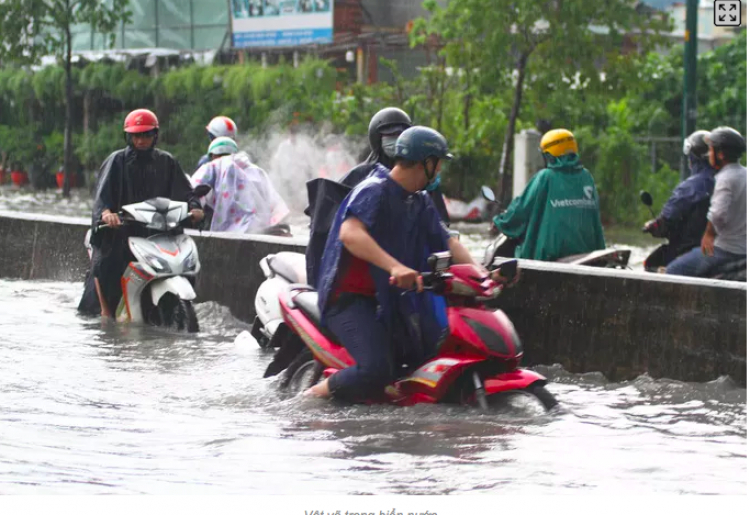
column 380, row 240
column 134, row 174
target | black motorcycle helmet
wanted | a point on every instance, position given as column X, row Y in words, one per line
column 696, row 145
column 385, row 121
column 728, row 141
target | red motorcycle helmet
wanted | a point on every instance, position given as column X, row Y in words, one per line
column 140, row 120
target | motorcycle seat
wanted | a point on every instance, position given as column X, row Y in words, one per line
column 307, row 301
column 290, row 266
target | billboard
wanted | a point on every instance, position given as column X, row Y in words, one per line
column 277, row 23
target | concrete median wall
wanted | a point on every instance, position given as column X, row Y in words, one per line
column 622, row 323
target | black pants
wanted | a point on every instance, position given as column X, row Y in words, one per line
column 108, row 263
column 378, row 354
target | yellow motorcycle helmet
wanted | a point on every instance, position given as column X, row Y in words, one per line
column 558, row 142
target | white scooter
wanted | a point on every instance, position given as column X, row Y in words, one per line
column 281, row 270
column 155, row 287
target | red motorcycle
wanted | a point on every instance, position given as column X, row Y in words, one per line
column 477, row 364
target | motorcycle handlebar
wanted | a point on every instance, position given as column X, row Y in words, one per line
column 119, row 214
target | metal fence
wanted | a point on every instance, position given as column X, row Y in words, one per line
column 663, row 151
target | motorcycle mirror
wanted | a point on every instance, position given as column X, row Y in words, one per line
column 201, row 190
column 439, row 261
column 509, row 269
column 646, row 198
column 488, row 194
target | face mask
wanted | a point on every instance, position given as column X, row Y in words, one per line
column 389, row 145
column 432, row 186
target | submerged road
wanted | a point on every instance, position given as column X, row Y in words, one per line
column 86, row 408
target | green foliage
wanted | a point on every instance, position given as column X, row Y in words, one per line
column 724, row 71
column 19, row 145
column 30, row 29
column 94, row 147
column 538, row 48
column 641, row 96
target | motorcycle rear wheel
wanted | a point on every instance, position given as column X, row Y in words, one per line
column 302, row 373
column 306, row 376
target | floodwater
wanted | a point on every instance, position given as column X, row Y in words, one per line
column 88, row 409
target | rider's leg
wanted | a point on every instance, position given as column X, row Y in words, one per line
column 696, row 264
column 367, row 340
column 691, row 264
column 108, row 266
column 106, row 313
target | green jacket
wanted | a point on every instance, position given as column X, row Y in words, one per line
column 557, row 215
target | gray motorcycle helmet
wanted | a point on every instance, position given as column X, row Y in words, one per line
column 695, row 144
column 385, row 121
column 728, row 141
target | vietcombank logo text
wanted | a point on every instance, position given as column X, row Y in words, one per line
column 584, row 203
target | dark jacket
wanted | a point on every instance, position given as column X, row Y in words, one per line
column 683, row 217
column 127, row 177
column 406, row 226
column 324, row 198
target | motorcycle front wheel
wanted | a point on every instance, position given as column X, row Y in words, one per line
column 529, row 398
column 177, row 313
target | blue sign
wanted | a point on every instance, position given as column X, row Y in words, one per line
column 294, row 37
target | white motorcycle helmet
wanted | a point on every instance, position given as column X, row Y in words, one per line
column 222, row 146
column 222, row 126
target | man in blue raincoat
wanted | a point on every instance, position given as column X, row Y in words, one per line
column 380, row 240
column 683, row 218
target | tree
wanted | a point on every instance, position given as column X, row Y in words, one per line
column 30, row 29
column 509, row 43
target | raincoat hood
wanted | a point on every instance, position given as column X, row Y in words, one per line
column 569, row 163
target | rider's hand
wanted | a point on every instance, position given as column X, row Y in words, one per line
column 111, row 219
column 404, row 277
column 707, row 245
column 650, row 226
column 197, row 215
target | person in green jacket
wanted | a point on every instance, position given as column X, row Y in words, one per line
column 557, row 215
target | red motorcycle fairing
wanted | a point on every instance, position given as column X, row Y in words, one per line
column 428, row 384
column 468, row 278
column 434, row 378
column 325, row 350
column 481, row 333
column 515, row 380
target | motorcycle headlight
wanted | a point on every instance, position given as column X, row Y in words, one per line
column 158, row 222
column 490, row 338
